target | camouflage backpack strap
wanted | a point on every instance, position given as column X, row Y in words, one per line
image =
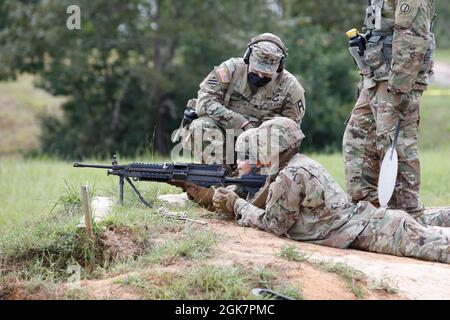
column 240, row 69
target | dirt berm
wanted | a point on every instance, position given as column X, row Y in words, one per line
column 414, row 279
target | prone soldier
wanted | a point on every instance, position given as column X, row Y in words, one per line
column 305, row 203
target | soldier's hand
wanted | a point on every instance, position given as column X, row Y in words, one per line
column 202, row 196
column 224, row 201
column 400, row 101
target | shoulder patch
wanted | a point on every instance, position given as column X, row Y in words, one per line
column 301, row 105
column 223, row 75
column 405, row 8
column 213, row 82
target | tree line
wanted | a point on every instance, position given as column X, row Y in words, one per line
column 133, row 65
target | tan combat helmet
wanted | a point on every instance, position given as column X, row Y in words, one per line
column 269, row 140
column 288, row 131
column 266, row 53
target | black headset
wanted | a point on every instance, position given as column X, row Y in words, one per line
column 261, row 38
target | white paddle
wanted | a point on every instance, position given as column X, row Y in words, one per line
column 388, row 172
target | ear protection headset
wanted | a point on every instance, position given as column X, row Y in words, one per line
column 270, row 38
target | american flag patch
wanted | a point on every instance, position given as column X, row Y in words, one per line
column 223, row 75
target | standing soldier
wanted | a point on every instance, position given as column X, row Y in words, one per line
column 242, row 93
column 397, row 65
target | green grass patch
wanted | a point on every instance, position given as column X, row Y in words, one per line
column 435, row 123
column 352, row 277
column 385, row 284
column 290, row 252
column 32, row 187
column 206, row 282
column 194, row 244
column 442, row 55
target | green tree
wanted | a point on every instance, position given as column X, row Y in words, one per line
column 441, row 24
column 130, row 69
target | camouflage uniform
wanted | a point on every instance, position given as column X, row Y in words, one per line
column 399, row 59
column 305, row 203
column 226, row 100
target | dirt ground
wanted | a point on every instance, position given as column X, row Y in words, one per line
column 414, row 279
column 253, row 248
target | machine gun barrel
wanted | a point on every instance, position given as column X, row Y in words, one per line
column 95, row 166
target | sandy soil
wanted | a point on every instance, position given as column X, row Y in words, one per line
column 415, row 279
column 253, row 248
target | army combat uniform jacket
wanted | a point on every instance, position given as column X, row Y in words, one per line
column 305, row 203
column 226, row 97
column 401, row 46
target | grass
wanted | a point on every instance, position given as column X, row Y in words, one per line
column 352, row 277
column 44, row 253
column 385, row 284
column 31, row 188
column 435, row 122
column 194, row 244
column 289, row 252
column 443, row 55
column 206, row 282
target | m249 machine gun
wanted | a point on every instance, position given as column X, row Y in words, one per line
column 203, row 175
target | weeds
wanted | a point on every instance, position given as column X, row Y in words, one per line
column 265, row 277
column 385, row 284
column 204, row 282
column 71, row 198
column 351, row 276
column 193, row 244
column 289, row 252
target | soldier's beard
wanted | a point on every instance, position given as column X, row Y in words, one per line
column 256, row 80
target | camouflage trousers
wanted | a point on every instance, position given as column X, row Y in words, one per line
column 435, row 217
column 369, row 135
column 395, row 232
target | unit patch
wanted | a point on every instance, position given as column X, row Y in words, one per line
column 301, row 106
column 405, row 8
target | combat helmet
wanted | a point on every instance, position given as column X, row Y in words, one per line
column 267, row 52
column 270, row 139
